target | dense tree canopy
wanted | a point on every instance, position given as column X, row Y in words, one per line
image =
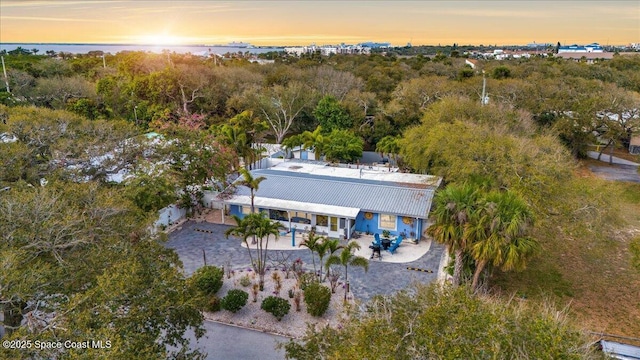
column 461, row 140
column 60, row 275
column 331, row 115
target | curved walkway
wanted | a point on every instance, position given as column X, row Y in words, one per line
column 195, row 241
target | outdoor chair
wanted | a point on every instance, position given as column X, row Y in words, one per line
column 377, row 241
column 395, row 245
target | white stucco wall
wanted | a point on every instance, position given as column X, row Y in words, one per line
column 170, row 215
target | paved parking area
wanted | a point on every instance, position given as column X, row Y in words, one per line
column 195, row 241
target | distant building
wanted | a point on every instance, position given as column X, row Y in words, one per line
column 375, row 45
column 327, row 50
column 591, row 48
column 589, row 57
column 261, row 61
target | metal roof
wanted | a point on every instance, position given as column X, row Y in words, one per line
column 619, row 350
column 279, row 204
column 368, row 195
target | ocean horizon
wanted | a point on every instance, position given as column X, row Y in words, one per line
column 84, row 48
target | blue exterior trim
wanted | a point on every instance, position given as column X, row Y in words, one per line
column 372, row 225
column 236, row 210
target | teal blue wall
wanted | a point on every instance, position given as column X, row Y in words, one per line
column 364, row 225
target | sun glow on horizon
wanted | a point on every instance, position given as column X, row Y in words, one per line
column 160, row 39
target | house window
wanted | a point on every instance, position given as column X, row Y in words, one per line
column 278, row 215
column 246, row 210
column 322, row 220
column 387, row 222
column 301, row 218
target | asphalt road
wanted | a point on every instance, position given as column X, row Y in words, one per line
column 620, row 170
column 627, row 173
column 225, row 342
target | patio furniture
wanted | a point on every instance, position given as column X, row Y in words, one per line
column 395, row 245
column 386, row 243
column 376, row 242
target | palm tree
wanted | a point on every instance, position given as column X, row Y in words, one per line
column 292, row 142
column 253, row 184
column 332, row 245
column 264, row 227
column 498, row 234
column 454, row 206
column 253, row 130
column 327, row 246
column 244, row 229
column 237, row 140
column 315, row 140
column 389, row 145
column 347, row 258
column 311, row 242
column 256, row 225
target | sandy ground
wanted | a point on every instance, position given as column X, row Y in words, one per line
column 294, row 324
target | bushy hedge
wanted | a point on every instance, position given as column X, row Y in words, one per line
column 235, row 300
column 276, row 306
column 317, row 297
column 207, row 279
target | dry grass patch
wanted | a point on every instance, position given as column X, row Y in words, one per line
column 588, row 266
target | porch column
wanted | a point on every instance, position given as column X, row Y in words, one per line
column 289, row 215
column 348, row 229
column 224, row 208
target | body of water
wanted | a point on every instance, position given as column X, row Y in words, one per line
column 116, row 48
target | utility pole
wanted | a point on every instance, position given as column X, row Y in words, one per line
column 484, row 100
column 6, row 79
column 104, row 62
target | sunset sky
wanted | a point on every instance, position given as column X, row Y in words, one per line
column 322, row 22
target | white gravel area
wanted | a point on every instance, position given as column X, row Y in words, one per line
column 294, row 324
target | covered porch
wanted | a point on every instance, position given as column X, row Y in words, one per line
column 330, row 220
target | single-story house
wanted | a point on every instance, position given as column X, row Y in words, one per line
column 299, row 152
column 338, row 200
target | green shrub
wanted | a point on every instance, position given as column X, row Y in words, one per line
column 306, row 279
column 208, row 279
column 245, row 281
column 276, row 306
column 234, row 300
column 317, row 297
column 214, row 304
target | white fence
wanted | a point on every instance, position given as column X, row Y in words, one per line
column 170, row 215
